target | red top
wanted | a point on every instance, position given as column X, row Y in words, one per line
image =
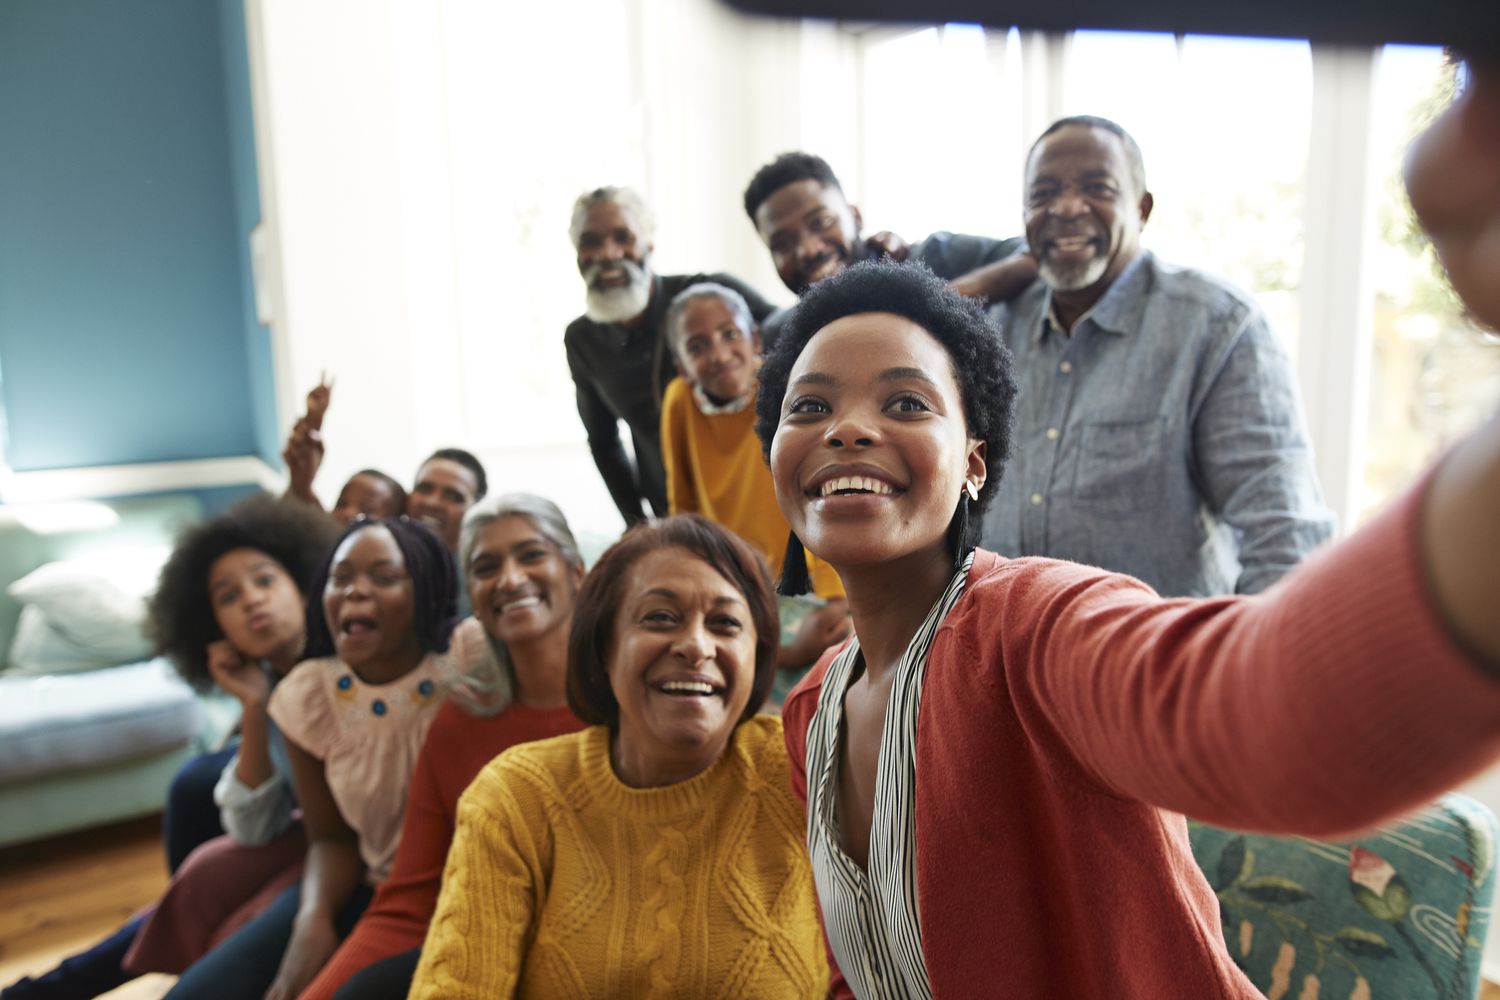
column 457, row 747
column 1060, row 700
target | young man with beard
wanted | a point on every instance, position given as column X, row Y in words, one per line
column 799, row 209
column 1158, row 430
column 616, row 354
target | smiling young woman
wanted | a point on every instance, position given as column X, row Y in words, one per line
column 996, row 766
column 658, row 852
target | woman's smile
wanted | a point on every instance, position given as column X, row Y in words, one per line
column 872, row 450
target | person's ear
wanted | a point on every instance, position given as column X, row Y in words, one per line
column 755, row 341
column 978, row 467
column 859, row 221
column 1147, row 203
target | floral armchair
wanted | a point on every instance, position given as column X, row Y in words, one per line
column 1398, row 915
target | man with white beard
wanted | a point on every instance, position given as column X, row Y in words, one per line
column 1158, row 430
column 616, row 352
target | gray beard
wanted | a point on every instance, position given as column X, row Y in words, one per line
column 1073, row 279
column 616, row 305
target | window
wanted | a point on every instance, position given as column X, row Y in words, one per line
column 1223, row 125
column 1433, row 375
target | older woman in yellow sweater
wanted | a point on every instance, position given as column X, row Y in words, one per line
column 659, row 852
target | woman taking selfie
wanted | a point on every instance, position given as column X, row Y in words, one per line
column 997, row 764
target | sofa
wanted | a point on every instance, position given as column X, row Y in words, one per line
column 92, row 728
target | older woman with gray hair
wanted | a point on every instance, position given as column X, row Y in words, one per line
column 522, row 570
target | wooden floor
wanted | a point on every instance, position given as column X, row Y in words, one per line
column 60, row 896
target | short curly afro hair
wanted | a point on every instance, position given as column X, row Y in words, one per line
column 181, row 616
column 981, row 362
column 788, row 168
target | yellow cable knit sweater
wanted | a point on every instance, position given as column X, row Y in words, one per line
column 564, row 882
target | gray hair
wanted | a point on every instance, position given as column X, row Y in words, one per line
column 1132, row 149
column 625, row 197
column 732, row 299
column 489, row 690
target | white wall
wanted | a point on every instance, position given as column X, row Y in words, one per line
column 366, row 118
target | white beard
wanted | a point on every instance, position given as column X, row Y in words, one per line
column 616, row 305
column 1076, row 277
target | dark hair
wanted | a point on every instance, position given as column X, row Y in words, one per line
column 591, row 641
column 788, row 168
column 981, row 363
column 181, row 618
column 398, row 492
column 468, row 461
column 1132, row 148
column 434, row 585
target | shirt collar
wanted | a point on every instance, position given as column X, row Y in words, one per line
column 709, row 408
column 1118, row 310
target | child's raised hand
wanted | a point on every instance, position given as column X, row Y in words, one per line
column 237, row 675
column 317, row 402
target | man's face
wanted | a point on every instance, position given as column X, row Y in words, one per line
column 811, row 230
column 715, row 352
column 1083, row 211
column 613, row 257
column 443, row 492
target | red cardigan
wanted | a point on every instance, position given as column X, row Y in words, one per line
column 1060, row 700
column 458, row 746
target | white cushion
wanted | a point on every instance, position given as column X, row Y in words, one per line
column 85, row 612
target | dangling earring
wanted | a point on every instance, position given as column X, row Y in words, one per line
column 794, row 579
column 959, row 542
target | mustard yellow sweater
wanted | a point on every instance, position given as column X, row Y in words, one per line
column 715, row 468
column 564, row 882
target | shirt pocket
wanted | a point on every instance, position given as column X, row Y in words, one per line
column 1121, row 465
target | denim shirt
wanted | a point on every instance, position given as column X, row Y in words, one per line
column 1163, row 438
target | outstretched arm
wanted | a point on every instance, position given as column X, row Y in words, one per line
column 1453, row 176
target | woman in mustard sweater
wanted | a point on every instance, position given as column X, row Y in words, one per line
column 658, row 852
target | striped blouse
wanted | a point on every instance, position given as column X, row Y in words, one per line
column 870, row 914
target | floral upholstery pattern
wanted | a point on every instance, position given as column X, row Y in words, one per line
column 1400, row 914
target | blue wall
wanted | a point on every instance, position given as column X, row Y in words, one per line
column 127, row 186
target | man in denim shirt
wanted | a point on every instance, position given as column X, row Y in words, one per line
column 1158, row 430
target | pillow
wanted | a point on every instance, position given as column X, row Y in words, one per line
column 86, row 612
column 38, row 649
